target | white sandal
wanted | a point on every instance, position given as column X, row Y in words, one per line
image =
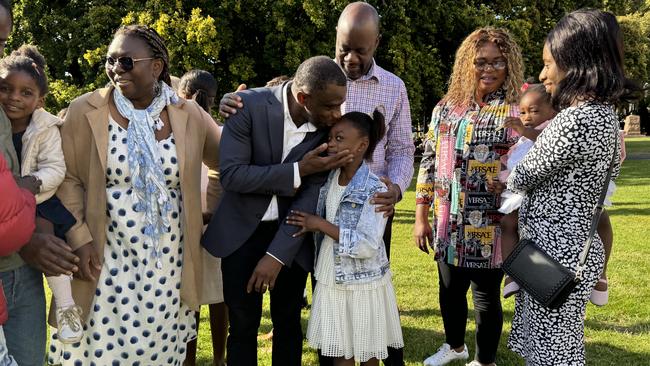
column 598, row 297
column 510, row 288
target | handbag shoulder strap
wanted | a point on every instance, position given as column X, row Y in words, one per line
column 598, row 210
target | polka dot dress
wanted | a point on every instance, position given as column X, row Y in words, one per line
column 136, row 317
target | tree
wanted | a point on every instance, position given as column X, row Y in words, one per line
column 636, row 36
column 253, row 41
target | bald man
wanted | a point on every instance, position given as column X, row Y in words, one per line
column 371, row 87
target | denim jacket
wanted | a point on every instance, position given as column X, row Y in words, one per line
column 360, row 254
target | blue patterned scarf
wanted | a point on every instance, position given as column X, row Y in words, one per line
column 147, row 177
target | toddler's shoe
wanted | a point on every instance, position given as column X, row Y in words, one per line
column 600, row 297
column 69, row 323
column 510, row 287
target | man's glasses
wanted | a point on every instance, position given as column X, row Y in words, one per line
column 126, row 63
column 497, row 65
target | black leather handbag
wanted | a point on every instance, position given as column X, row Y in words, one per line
column 539, row 274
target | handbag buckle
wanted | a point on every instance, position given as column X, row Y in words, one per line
column 579, row 271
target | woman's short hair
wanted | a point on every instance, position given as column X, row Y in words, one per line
column 462, row 83
column 587, row 45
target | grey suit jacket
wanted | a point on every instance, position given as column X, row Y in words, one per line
column 252, row 172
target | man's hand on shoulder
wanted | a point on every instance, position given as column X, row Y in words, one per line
column 231, row 102
column 386, row 201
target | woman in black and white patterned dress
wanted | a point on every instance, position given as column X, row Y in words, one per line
column 563, row 175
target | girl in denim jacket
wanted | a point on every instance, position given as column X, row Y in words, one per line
column 354, row 314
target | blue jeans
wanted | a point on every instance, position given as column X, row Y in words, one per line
column 25, row 330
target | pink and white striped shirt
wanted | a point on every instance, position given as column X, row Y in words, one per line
column 381, row 89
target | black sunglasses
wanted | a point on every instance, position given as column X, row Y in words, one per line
column 126, row 63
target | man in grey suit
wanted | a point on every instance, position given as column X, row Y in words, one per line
column 270, row 164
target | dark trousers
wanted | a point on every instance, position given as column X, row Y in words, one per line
column 395, row 355
column 486, row 286
column 388, row 233
column 245, row 309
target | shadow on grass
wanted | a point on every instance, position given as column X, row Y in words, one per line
column 404, row 220
column 631, row 183
column 641, row 328
column 628, row 211
column 422, row 313
column 634, row 169
column 623, row 204
column 603, row 354
column 421, row 342
column 596, row 353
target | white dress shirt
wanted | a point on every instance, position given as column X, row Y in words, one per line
column 293, row 135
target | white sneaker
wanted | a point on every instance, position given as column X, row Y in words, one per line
column 69, row 322
column 445, row 355
column 476, row 363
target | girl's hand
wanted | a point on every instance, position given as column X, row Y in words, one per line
column 307, row 222
column 515, row 124
column 29, row 182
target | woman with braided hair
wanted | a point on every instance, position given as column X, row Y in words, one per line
column 133, row 153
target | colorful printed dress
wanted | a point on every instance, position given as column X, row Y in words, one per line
column 136, row 317
column 462, row 153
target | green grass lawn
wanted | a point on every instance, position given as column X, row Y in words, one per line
column 637, row 145
column 617, row 334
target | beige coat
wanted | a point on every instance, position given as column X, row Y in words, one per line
column 42, row 155
column 83, row 192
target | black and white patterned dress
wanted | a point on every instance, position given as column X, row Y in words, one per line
column 563, row 175
column 136, row 317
